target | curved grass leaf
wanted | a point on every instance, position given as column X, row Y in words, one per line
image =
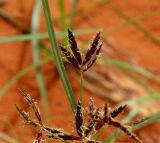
column 73, row 13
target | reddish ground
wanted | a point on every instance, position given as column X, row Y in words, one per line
column 14, row 56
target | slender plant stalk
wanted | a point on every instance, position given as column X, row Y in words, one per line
column 73, row 13
column 57, row 56
column 63, row 19
column 62, row 14
column 36, row 59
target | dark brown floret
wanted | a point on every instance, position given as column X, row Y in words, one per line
column 70, row 58
column 92, row 49
column 86, row 127
column 124, row 129
column 117, row 110
column 75, row 57
column 32, row 104
column 58, row 134
column 79, row 119
column 38, row 138
column 74, row 48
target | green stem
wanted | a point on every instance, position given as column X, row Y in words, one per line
column 74, row 11
column 63, row 19
column 57, row 57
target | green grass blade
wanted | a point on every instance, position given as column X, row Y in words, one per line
column 63, row 19
column 139, row 81
column 38, row 36
column 57, row 57
column 73, row 13
column 62, row 15
column 126, row 66
column 137, row 25
column 152, row 119
column 28, row 37
column 19, row 75
column 144, row 100
column 7, row 138
column 36, row 58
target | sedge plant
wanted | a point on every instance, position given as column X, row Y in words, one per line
column 88, row 121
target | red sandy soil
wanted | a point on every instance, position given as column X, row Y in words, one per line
column 15, row 56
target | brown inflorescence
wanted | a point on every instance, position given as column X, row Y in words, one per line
column 88, row 121
column 75, row 57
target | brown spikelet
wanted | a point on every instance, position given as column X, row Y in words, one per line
column 134, row 123
column 59, row 134
column 90, row 63
column 74, row 48
column 75, row 57
column 38, row 138
column 117, row 110
column 106, row 110
column 104, row 119
column 92, row 49
column 79, row 119
column 51, row 130
column 91, row 105
column 99, row 48
column 26, row 117
column 68, row 137
column 87, row 128
column 124, row 129
column 94, row 117
column 70, row 58
column 32, row 104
